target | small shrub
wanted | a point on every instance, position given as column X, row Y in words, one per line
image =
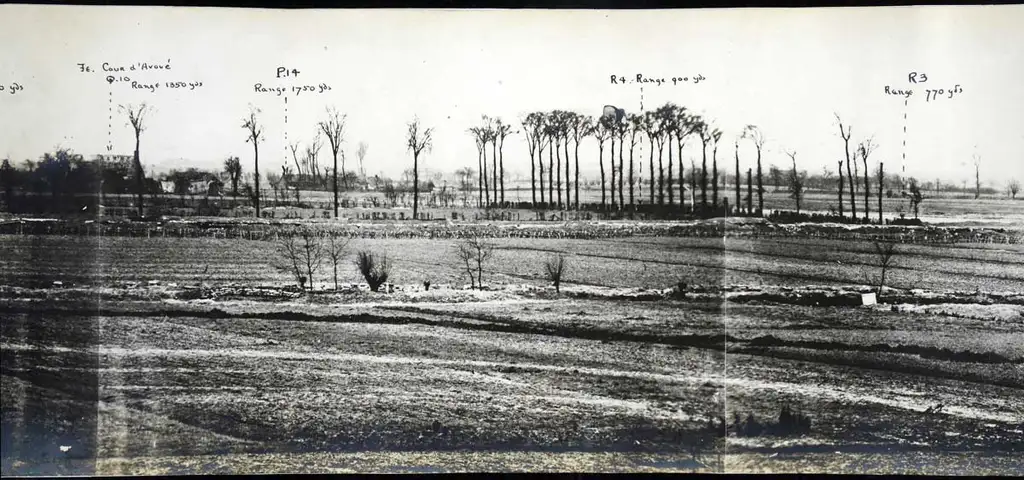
column 426, row 285
column 375, row 268
column 554, row 267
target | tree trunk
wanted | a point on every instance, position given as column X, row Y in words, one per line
column 480, row 177
column 139, row 180
column 750, row 193
column 568, row 185
column 704, row 178
column 853, row 194
column 661, row 177
column 632, row 203
column 540, row 167
column 415, row 184
column 682, row 177
column 494, row 170
column 611, row 163
column 334, row 174
column 671, row 191
column 841, row 200
column 551, row 172
column 600, row 161
column 576, row 183
column 501, row 171
column 867, row 190
column 650, row 173
column 622, row 201
column 760, row 186
column 714, row 177
column 487, row 181
column 558, row 174
column 881, row 178
column 256, row 176
column 737, row 177
column 533, row 180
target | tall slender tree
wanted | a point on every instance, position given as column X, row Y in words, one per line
column 686, row 125
column 502, row 131
column 864, row 149
column 334, row 129
column 551, row 131
column 621, row 129
column 666, row 120
column 581, row 127
column 736, row 146
column 558, row 128
column 716, row 135
column 796, row 182
column 881, row 181
column 675, row 119
column 531, row 130
column 255, row 135
column 757, row 137
column 636, row 125
column 651, row 130
column 568, row 118
column 542, row 141
column 841, row 200
column 418, row 139
column 845, row 133
column 137, row 120
column 601, row 132
column 479, row 137
column 750, row 193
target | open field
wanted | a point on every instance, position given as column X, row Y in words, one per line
column 199, row 357
column 647, row 262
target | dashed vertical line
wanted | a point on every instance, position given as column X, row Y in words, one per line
column 286, row 130
column 110, row 119
column 904, row 164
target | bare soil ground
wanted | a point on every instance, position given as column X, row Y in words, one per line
column 609, row 375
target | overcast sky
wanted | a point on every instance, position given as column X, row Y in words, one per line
column 786, row 71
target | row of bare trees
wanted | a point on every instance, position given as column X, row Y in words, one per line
column 666, row 130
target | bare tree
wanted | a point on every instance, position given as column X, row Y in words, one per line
column 635, row 129
column 1013, row 186
column 417, row 141
column 474, row 252
column 580, row 127
column 977, row 176
column 375, row 268
column 758, row 139
column 796, row 182
column 334, row 129
column 137, row 119
column 845, row 133
column 335, row 249
column 915, row 197
column 602, row 131
column 865, row 148
column 255, row 135
column 885, row 251
column 736, row 145
column 501, row 131
column 881, row 184
column 532, row 131
column 361, row 155
column 554, row 267
column 840, row 169
column 301, row 254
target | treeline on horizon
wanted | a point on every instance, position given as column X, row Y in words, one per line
column 627, row 181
